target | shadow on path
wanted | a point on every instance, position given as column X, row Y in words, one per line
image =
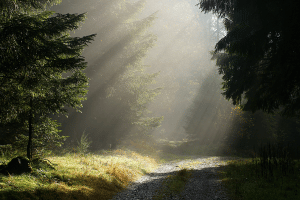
column 204, row 182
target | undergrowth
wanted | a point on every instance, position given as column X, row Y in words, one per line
column 77, row 176
column 273, row 174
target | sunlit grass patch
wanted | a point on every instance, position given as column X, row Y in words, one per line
column 244, row 181
column 173, row 184
column 191, row 164
column 78, row 176
column 171, row 157
column 208, row 161
column 186, row 147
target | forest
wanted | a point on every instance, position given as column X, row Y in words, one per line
column 95, row 94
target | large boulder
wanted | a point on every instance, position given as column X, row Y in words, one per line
column 18, row 165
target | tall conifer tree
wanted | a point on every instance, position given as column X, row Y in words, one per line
column 36, row 52
column 258, row 57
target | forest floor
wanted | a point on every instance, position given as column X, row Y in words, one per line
column 109, row 174
column 77, row 176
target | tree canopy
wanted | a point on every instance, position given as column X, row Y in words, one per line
column 9, row 7
column 258, row 56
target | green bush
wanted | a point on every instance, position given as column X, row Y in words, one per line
column 83, row 144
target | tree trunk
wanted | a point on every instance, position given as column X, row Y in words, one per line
column 29, row 145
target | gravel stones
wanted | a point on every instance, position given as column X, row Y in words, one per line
column 203, row 183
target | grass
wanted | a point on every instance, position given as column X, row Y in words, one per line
column 245, row 180
column 189, row 147
column 173, row 184
column 78, row 176
column 84, row 176
column 100, row 176
column 272, row 175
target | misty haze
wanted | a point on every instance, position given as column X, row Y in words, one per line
column 96, row 94
column 149, row 61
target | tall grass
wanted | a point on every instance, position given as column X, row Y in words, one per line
column 272, row 174
column 77, row 176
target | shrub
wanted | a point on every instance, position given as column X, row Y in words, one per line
column 83, row 144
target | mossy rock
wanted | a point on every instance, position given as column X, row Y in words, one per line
column 2, row 167
column 18, row 165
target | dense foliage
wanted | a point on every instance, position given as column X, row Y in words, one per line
column 10, row 7
column 258, row 56
column 41, row 68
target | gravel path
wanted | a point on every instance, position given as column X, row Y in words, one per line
column 203, row 184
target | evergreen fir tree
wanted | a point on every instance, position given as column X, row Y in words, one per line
column 36, row 53
column 258, row 56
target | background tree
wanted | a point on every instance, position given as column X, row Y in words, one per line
column 120, row 86
column 37, row 51
column 210, row 116
column 237, row 130
column 258, row 56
